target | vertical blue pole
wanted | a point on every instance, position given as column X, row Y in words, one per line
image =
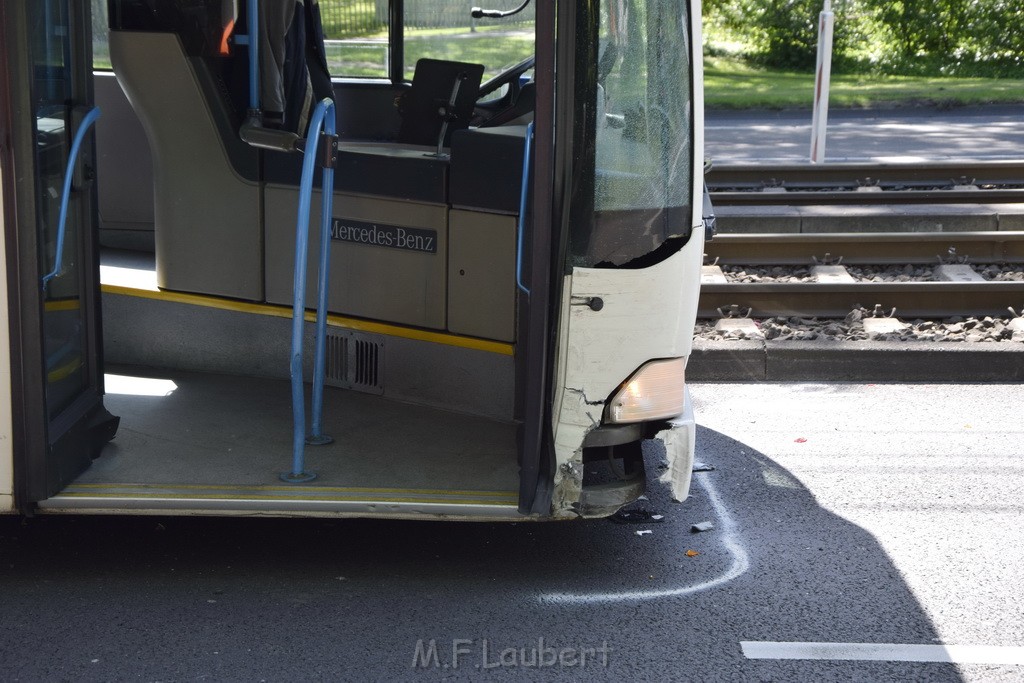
column 252, row 19
column 298, row 473
column 524, row 191
column 317, row 437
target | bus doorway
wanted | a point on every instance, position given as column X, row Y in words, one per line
column 497, row 344
column 58, row 419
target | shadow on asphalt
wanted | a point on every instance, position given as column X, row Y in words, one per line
column 165, row 598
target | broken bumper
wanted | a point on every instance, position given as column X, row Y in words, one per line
column 679, row 439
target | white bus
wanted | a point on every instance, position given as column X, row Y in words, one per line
column 514, row 242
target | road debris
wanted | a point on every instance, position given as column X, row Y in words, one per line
column 642, row 532
column 701, row 526
column 636, row 517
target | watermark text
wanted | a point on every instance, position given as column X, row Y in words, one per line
column 482, row 653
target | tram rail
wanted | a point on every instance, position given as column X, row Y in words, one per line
column 831, row 299
column 862, row 183
column 790, row 249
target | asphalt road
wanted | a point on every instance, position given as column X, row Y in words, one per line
column 887, row 514
column 905, row 134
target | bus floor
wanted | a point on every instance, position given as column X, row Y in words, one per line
column 187, row 432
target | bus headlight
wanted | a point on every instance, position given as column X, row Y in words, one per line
column 654, row 392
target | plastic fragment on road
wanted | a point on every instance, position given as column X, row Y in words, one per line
column 701, row 526
column 635, row 517
column 800, row 440
column 703, row 467
column 692, row 553
column 642, row 532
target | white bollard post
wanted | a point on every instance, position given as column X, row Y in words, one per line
column 822, row 81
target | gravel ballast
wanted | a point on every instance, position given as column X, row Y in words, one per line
column 956, row 329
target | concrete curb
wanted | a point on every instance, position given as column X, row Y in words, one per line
column 828, row 361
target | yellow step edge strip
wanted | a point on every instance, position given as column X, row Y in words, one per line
column 282, row 487
column 239, row 496
column 335, row 320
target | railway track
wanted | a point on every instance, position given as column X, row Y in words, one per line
column 994, row 182
column 864, row 248
column 833, row 292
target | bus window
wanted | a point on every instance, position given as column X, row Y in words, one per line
column 356, row 37
column 444, row 29
column 100, row 36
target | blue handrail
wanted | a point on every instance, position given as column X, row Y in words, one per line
column 523, row 192
column 317, row 437
column 252, row 19
column 65, row 195
column 323, row 118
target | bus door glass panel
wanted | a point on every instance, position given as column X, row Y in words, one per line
column 65, row 344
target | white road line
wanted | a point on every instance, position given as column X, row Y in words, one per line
column 886, row 652
column 727, row 525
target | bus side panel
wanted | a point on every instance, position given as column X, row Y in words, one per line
column 6, row 425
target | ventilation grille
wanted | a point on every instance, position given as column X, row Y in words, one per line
column 354, row 362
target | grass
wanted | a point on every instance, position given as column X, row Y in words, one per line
column 364, row 59
column 729, row 83
column 473, row 48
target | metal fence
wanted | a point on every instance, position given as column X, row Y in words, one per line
column 353, row 18
column 350, row 18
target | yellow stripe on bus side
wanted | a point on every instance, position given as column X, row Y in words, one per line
column 335, row 320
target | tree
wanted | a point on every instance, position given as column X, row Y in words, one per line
column 784, row 33
column 966, row 37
